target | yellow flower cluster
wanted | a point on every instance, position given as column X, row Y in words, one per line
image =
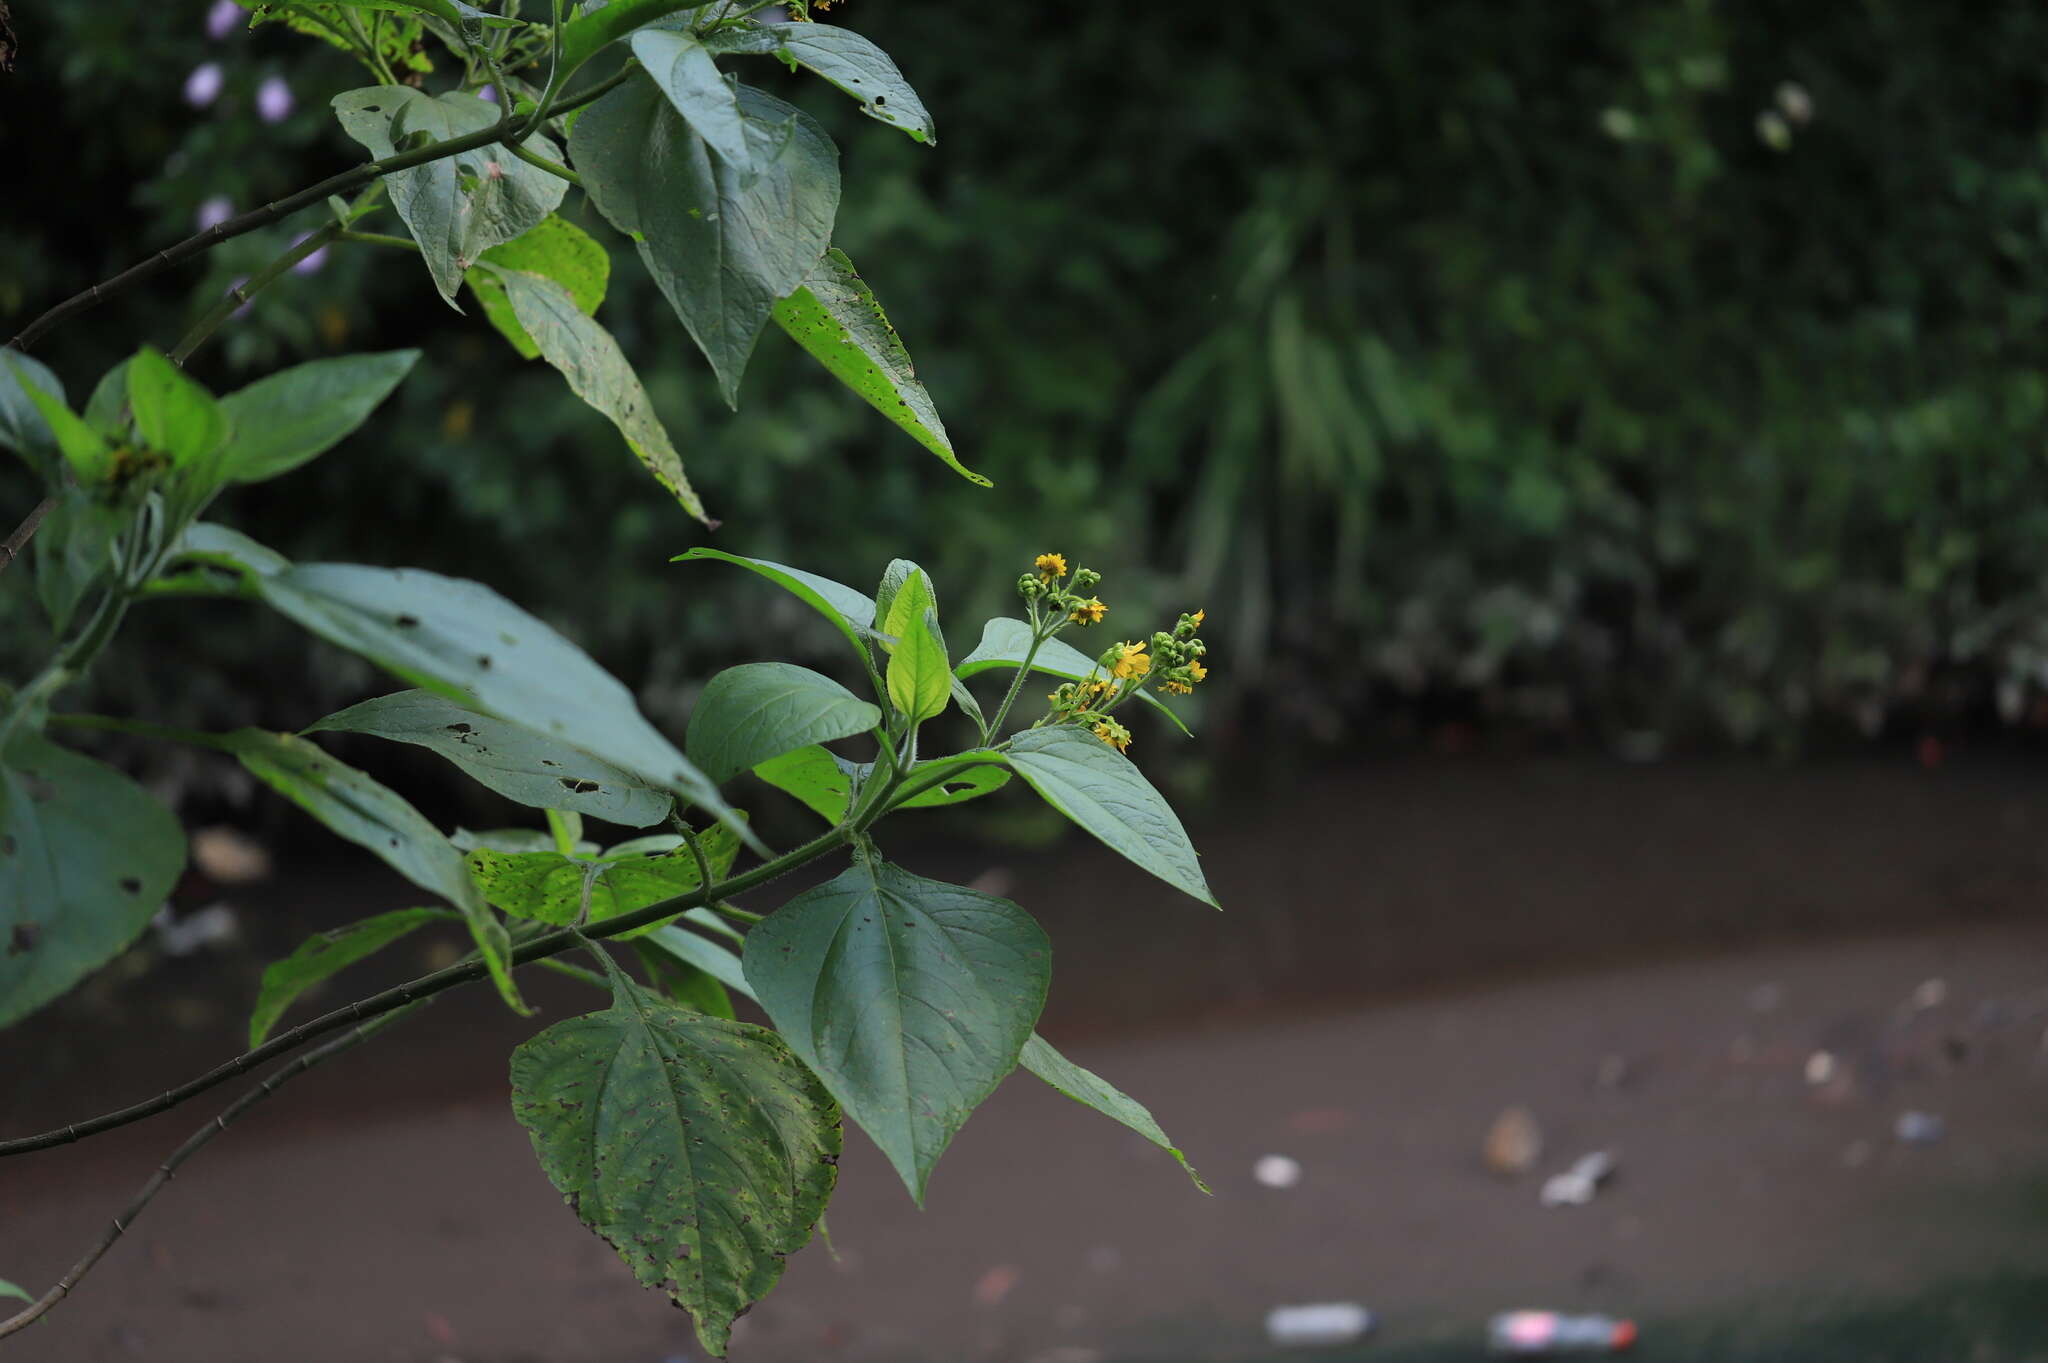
column 1171, row 659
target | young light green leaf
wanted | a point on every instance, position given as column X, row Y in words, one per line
column 557, row 249
column 517, row 763
column 683, row 70
column 460, row 206
column 464, row 641
column 373, row 816
column 292, row 417
column 700, row 1148
column 86, row 857
column 1098, row 788
column 325, row 954
column 847, row 60
column 23, row 427
column 823, row 780
column 598, row 373
column 756, row 711
column 222, row 547
column 920, row 677
column 173, row 414
column 1092, row 1090
column 8, row 1289
column 835, row 317
column 909, row 997
column 1004, row 642
column 548, row 887
column 852, row 613
column 89, row 453
column 722, row 245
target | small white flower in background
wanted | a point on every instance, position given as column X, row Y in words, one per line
column 214, row 211
column 222, row 19
column 202, row 87
column 273, row 100
column 1794, row 102
column 311, row 264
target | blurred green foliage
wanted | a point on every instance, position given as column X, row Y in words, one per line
column 1669, row 368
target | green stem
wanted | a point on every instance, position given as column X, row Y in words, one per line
column 1038, row 636
column 378, row 239
column 236, row 298
column 426, row 986
column 554, row 168
column 248, row 222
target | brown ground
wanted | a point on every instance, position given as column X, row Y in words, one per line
column 1645, row 958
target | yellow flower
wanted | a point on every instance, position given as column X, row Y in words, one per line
column 1200, row 616
column 1112, row 733
column 1178, row 688
column 1050, row 566
column 1133, row 662
column 1089, row 612
column 1197, row 671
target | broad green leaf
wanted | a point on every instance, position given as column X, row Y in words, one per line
column 75, row 550
column 1005, row 641
column 222, row 547
column 823, row 780
column 1092, row 1090
column 756, row 711
column 464, row 641
column 850, row 611
column 548, row 887
column 325, row 954
column 598, row 373
column 1100, row 789
column 910, row 998
column 174, row 414
column 685, row 73
column 700, row 1148
column 920, row 677
column 292, row 417
column 460, row 206
column 680, row 982
column 557, row 249
column 847, row 60
column 373, row 816
column 86, row 857
column 722, row 244
column 23, row 427
column 89, row 453
column 835, row 317
column 517, row 763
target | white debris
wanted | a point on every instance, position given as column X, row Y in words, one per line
column 1277, row 1171
column 211, row 926
column 1575, row 1186
column 1821, row 1066
column 1318, row 1325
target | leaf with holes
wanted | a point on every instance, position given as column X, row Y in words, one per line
column 461, row 206
column 910, row 998
column 597, row 372
column 551, row 888
column 835, row 317
column 86, row 857
column 844, row 58
column 756, row 711
column 700, row 1148
column 464, row 641
column 327, row 953
column 1100, row 789
column 373, row 816
column 1092, row 1090
column 722, row 244
column 517, row 763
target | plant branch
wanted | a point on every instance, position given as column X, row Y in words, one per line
column 554, row 168
column 244, row 223
column 23, row 533
column 426, row 986
column 235, row 299
column 197, row 1141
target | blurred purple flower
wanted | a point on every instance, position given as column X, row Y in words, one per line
column 274, row 99
column 311, row 264
column 214, row 211
column 489, row 94
column 202, row 87
column 222, row 19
